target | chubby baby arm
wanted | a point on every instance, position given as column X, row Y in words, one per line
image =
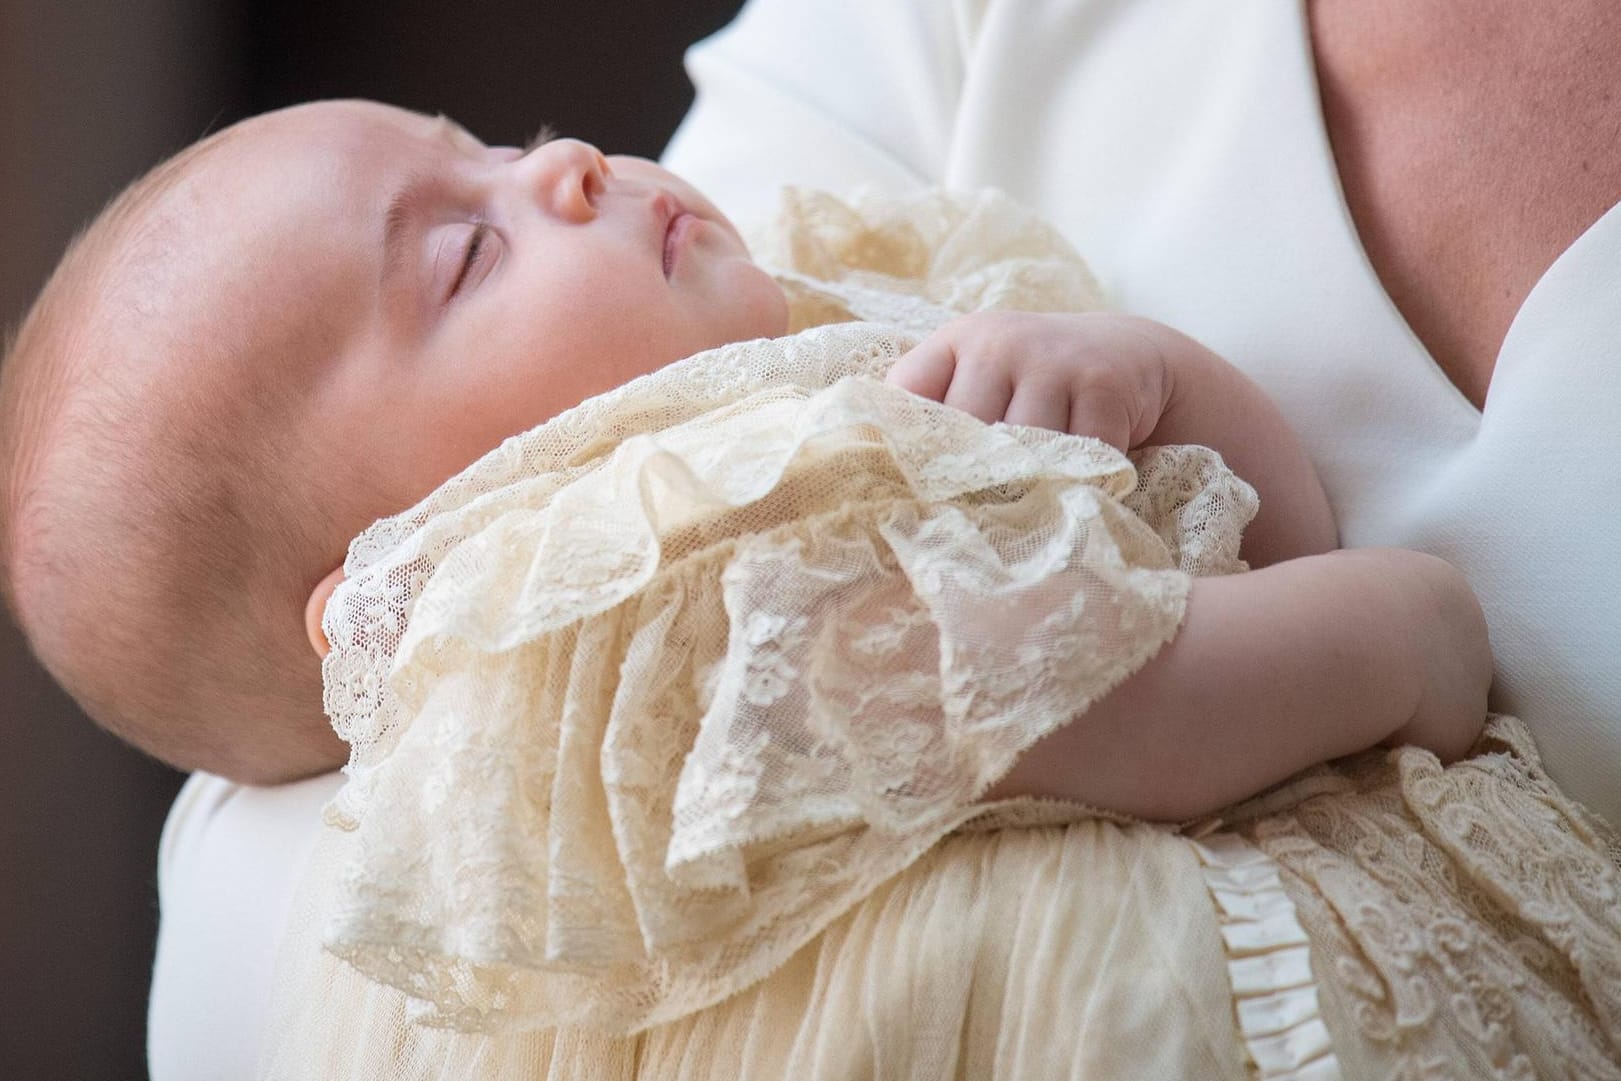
column 1274, row 671
column 1130, row 382
column 1316, row 654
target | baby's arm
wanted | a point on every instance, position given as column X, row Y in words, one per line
column 1274, row 671
column 1130, row 382
column 1319, row 653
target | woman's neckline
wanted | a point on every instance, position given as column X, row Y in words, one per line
column 1464, row 263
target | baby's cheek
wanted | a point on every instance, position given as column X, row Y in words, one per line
column 762, row 308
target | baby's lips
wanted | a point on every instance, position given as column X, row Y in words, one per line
column 673, row 223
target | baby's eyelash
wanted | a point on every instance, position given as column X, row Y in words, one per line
column 545, row 135
column 475, row 244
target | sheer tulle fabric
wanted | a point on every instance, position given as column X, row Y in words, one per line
column 668, row 719
column 1462, row 923
column 1079, row 951
column 649, row 696
column 654, row 728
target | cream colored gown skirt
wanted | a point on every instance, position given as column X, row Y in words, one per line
column 1459, row 923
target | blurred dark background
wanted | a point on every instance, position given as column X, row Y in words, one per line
column 92, row 93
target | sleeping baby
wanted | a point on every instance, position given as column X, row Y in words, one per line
column 686, row 631
column 313, row 319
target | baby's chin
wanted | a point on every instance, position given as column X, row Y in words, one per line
column 762, row 304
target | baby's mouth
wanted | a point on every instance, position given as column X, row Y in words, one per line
column 675, row 234
column 677, row 223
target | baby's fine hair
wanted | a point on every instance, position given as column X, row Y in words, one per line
column 152, row 549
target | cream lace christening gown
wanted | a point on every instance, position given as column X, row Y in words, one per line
column 671, row 718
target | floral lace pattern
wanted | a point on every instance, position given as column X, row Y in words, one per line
column 660, row 727
column 1468, row 918
column 913, row 263
column 700, row 671
column 643, row 700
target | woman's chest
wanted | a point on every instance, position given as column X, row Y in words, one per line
column 1474, row 144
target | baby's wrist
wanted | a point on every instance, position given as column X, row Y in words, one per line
column 1449, row 638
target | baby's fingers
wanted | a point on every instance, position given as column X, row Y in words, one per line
column 933, row 371
column 1039, row 403
column 1101, row 415
column 980, row 390
column 926, row 369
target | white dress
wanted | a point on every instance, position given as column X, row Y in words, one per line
column 1180, row 145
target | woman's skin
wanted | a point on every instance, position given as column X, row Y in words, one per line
column 1475, row 140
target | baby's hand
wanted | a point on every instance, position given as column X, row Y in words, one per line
column 1100, row 374
column 1129, row 381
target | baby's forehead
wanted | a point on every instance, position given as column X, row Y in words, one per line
column 336, row 138
column 224, row 277
column 247, row 264
column 281, row 167
column 303, row 192
column 288, row 206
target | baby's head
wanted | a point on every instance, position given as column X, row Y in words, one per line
column 295, row 327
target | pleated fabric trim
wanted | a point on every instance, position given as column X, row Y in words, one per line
column 1268, row 962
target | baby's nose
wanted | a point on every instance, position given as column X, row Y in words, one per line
column 568, row 176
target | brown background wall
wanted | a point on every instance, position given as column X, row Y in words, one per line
column 93, row 92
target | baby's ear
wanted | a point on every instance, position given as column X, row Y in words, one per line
column 316, row 608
